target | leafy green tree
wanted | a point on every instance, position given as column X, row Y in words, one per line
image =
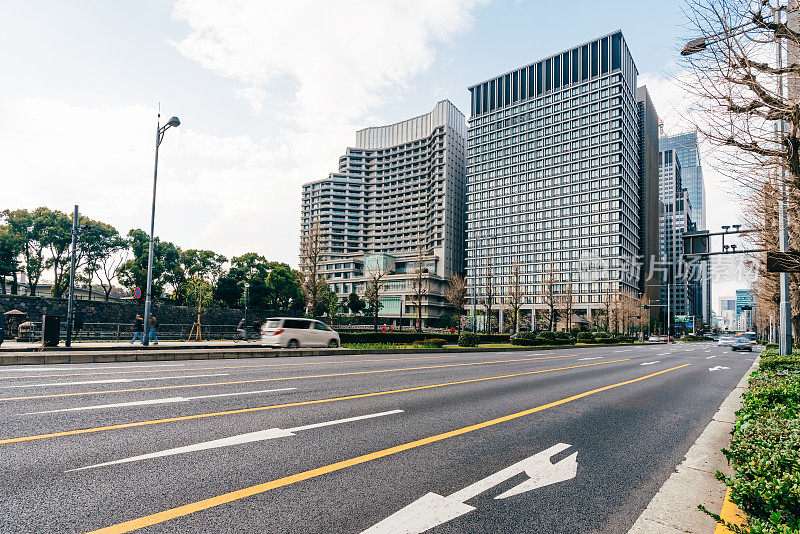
column 284, row 289
column 355, row 303
column 202, row 264
column 10, row 248
column 56, row 236
column 27, row 231
column 228, row 291
column 329, row 304
column 257, row 293
column 97, row 242
column 166, row 265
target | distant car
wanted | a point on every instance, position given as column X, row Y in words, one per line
column 742, row 343
column 292, row 333
column 657, row 339
column 726, row 341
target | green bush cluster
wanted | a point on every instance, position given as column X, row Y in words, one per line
column 409, row 337
column 432, row 343
column 531, row 339
column 765, row 448
column 468, row 339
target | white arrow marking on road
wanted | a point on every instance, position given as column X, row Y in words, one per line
column 110, row 381
column 595, row 358
column 261, row 435
column 717, row 368
column 709, row 357
column 158, row 401
column 650, row 363
column 432, row 509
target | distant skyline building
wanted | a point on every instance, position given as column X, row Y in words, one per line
column 687, row 149
column 553, row 180
column 650, row 204
column 680, row 290
column 399, row 192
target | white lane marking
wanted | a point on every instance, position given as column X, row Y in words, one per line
column 157, row 401
column 111, row 381
column 250, row 437
column 709, row 357
column 432, row 509
column 594, row 358
column 650, row 363
column 717, row 368
column 663, row 354
column 626, row 350
column 709, row 350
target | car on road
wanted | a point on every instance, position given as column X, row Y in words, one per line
column 294, row 332
column 742, row 343
column 726, row 341
column 657, row 339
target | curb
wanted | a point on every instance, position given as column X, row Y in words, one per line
column 149, row 355
column 674, row 508
column 730, row 513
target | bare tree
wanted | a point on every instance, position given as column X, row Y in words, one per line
column 515, row 294
column 550, row 296
column 488, row 299
column 109, row 269
column 607, row 301
column 456, row 295
column 311, row 257
column 420, row 284
column 374, row 286
column 567, row 301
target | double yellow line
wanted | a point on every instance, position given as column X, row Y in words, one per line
column 225, row 498
column 286, row 405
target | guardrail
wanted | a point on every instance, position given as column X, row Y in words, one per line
column 123, row 332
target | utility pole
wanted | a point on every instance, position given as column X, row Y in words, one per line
column 71, row 299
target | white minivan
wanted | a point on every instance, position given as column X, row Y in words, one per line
column 293, row 332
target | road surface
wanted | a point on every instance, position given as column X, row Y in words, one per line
column 571, row 440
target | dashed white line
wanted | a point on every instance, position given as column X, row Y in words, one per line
column 594, row 358
column 626, row 350
column 650, row 363
column 158, row 401
column 709, row 357
column 111, row 381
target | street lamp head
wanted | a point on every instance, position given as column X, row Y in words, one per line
column 174, row 122
column 694, row 46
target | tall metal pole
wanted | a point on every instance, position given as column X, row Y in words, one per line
column 785, row 336
column 71, row 299
column 149, row 298
column 669, row 311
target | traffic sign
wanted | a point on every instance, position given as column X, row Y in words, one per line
column 137, row 293
column 681, row 318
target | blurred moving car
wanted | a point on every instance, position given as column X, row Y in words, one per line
column 657, row 339
column 293, row 332
column 726, row 341
column 742, row 343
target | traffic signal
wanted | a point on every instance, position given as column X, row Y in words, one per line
column 645, row 306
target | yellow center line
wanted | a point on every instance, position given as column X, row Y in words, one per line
column 257, row 380
column 225, row 498
column 286, row 405
column 174, row 369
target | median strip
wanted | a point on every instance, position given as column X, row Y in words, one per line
column 225, row 498
column 286, row 405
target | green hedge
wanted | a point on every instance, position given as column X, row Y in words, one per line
column 468, row 339
column 404, row 338
column 765, row 448
column 432, row 343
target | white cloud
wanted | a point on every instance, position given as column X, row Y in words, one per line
column 317, row 70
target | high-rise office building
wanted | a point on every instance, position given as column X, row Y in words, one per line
column 553, row 179
column 680, row 287
column 649, row 205
column 399, row 193
column 688, row 151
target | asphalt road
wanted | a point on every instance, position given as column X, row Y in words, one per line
column 446, row 429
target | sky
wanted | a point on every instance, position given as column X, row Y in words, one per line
column 269, row 95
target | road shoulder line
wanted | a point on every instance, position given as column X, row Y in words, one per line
column 674, row 508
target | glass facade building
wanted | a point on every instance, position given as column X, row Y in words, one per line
column 553, row 180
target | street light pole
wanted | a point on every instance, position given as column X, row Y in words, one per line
column 173, row 122
column 71, row 300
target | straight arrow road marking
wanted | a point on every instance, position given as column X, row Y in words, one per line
column 650, row 363
column 111, row 381
column 432, row 509
column 218, row 500
column 717, row 368
column 158, row 401
column 594, row 358
column 250, row 437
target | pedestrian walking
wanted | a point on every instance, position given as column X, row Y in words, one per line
column 241, row 331
column 137, row 328
column 153, row 330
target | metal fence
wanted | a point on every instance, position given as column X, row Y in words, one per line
column 124, row 331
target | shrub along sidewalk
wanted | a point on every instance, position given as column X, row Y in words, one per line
column 765, row 449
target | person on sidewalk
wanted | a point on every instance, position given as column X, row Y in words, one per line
column 153, row 330
column 241, row 331
column 137, row 328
